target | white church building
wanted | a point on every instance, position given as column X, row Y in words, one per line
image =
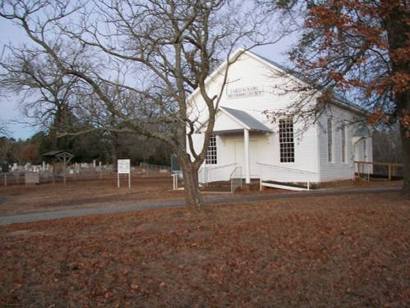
column 249, row 144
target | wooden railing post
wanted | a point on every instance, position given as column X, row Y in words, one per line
column 392, row 169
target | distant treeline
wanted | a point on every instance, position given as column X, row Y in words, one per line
column 85, row 147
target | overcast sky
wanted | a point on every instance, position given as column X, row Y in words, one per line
column 18, row 125
column 9, row 109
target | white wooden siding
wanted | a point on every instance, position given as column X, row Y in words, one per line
column 337, row 169
column 310, row 144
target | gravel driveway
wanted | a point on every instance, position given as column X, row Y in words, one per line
column 129, row 206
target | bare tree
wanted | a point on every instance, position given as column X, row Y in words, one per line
column 47, row 97
column 58, row 103
column 165, row 50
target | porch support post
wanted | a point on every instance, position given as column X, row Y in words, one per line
column 246, row 155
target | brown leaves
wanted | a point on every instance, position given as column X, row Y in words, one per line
column 401, row 82
column 378, row 116
column 306, row 251
column 359, row 48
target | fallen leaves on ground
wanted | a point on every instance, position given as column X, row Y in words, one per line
column 323, row 251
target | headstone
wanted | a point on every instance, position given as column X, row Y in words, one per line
column 31, row 178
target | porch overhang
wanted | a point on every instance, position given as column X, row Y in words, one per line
column 233, row 121
column 362, row 132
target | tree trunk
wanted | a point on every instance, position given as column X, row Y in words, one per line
column 114, row 159
column 403, row 101
column 398, row 31
column 193, row 196
column 405, row 140
column 114, row 149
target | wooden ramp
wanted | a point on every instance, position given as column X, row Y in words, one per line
column 286, row 186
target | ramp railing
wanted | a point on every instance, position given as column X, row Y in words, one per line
column 236, row 179
column 268, row 172
column 386, row 170
column 207, row 173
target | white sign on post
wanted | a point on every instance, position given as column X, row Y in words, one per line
column 124, row 167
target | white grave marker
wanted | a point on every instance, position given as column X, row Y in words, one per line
column 124, row 167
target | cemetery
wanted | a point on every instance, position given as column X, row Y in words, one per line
column 53, row 185
column 56, row 172
column 30, row 187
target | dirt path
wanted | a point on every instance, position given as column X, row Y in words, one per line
column 129, row 205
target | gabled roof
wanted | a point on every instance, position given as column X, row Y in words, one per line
column 57, row 153
column 362, row 132
column 339, row 101
column 277, row 65
column 53, row 153
column 246, row 120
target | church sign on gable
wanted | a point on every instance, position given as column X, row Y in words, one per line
column 249, row 91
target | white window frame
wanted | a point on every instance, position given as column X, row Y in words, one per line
column 286, row 140
column 343, row 143
column 211, row 157
column 330, row 141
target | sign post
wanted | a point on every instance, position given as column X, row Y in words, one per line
column 124, row 167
